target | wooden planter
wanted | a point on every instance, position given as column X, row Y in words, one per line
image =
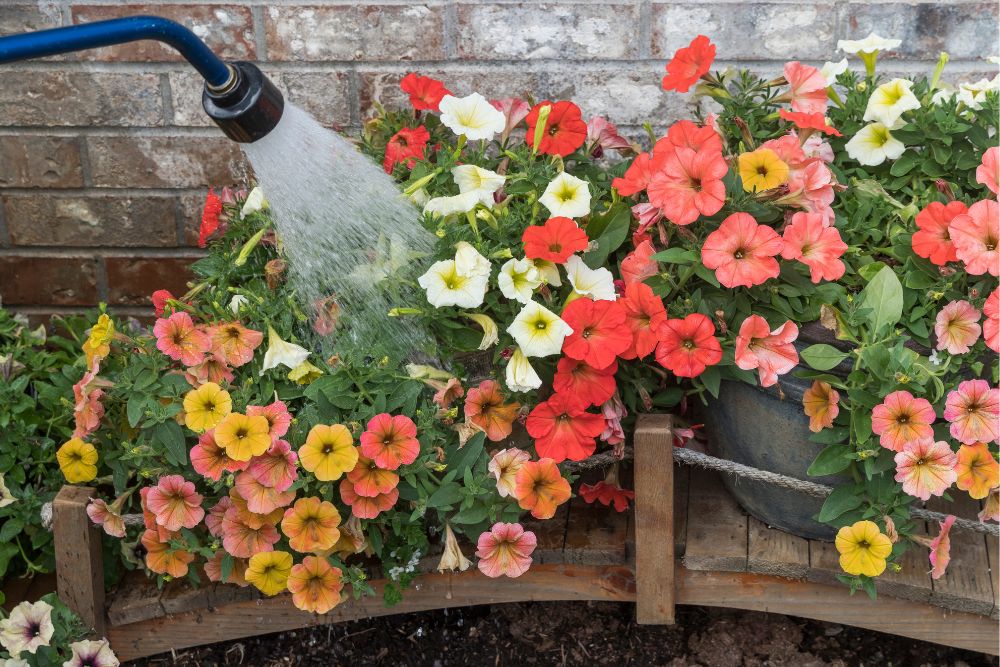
column 584, row 553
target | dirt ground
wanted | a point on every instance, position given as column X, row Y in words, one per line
column 592, row 634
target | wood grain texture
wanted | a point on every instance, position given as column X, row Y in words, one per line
column 993, row 552
column 773, row 551
column 654, row 520
column 79, row 564
column 966, row 584
column 716, row 527
column 682, row 486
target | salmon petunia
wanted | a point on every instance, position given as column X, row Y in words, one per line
column 988, row 172
column 932, row 240
column 563, row 429
column 485, row 407
column 636, row 178
column 211, row 461
column 234, row 342
column 276, row 467
column 591, row 386
column 926, row 468
column 645, row 316
column 237, row 569
column 901, row 418
column 391, row 441
column 329, row 452
column 976, row 235
column 977, row 469
column 245, row 534
column 772, row 353
column 973, row 410
column 940, row 548
column 554, row 241
column 600, row 332
column 742, row 252
column 689, row 64
column 366, row 507
column 991, row 325
column 564, row 132
column 687, row 134
column 179, row 338
column 209, row 217
column 162, row 559
column 609, row 495
column 688, row 184
column 311, row 525
column 957, row 327
column 688, row 346
column 807, row 88
column 268, row 571
column 505, row 550
column 821, row 403
column 260, row 498
column 206, row 407
column 540, row 488
column 315, row 585
column 815, row 121
column 425, row 93
column 639, row 264
column 504, row 466
column 174, row 503
column 371, row 481
column 808, row 240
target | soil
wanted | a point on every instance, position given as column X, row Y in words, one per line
column 596, row 633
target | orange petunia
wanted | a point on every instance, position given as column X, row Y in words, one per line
column 234, row 342
column 311, row 525
column 978, row 470
column 821, row 404
column 391, row 441
column 485, row 407
column 371, row 481
column 540, row 488
column 315, row 585
column 261, row 499
column 365, row 507
column 161, row 559
column 689, row 64
column 237, row 572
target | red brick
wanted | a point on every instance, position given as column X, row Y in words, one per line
column 48, row 281
column 227, row 29
column 131, row 280
column 163, row 162
column 80, row 98
column 90, row 220
column 35, row 161
column 351, row 32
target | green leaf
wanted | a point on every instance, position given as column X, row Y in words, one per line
column 676, row 256
column 830, row 461
column 474, row 514
column 712, row 379
column 467, row 456
column 609, row 229
column 170, row 435
column 884, row 297
column 447, row 494
column 823, row 357
column 843, row 499
column 135, row 408
column 11, row 527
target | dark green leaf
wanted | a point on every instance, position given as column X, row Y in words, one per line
column 823, row 357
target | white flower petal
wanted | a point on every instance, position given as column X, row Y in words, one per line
column 255, row 202
column 890, row 101
column 447, row 287
column 598, row 284
column 520, row 376
column 869, row 44
column 518, row 279
column 873, row 145
column 281, row 352
column 472, row 116
column 468, row 261
column 567, row 196
column 456, row 205
column 538, row 331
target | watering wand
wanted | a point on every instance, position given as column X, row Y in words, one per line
column 237, row 96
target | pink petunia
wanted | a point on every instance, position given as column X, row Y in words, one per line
column 261, row 499
column 87, row 407
column 279, row 419
column 505, row 550
column 926, row 468
column 973, row 409
column 940, row 546
column 210, row 460
column 976, row 236
column 817, row 246
column 213, row 368
column 275, row 468
column 991, row 325
column 932, row 240
column 770, row 352
column 637, row 265
column 811, row 188
column 901, row 418
column 807, row 88
column 988, row 173
column 957, row 327
column 178, row 338
column 174, row 503
column 234, row 342
column 741, row 252
column 688, row 184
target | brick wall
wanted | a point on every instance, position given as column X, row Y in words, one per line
column 105, row 155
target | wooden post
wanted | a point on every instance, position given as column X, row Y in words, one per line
column 79, row 562
column 654, row 520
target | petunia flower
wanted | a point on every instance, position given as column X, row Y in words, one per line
column 425, row 93
column 315, row 585
column 504, row 466
column 689, row 64
column 548, row 272
column 275, row 468
column 811, row 188
column 932, row 240
column 160, row 298
column 636, row 178
column 976, row 235
column 926, row 468
column 279, row 419
column 977, row 470
column 514, row 110
column 178, row 338
column 505, row 550
column 863, row 549
column 540, row 488
column 211, row 461
column 519, row 374
column 371, row 481
column 311, row 525
column 972, row 94
column 77, row 461
column 687, row 346
column 254, row 203
column 555, row 241
column 602, row 135
column 162, row 559
column 566, row 196
column 591, row 386
column 245, row 534
column 469, row 262
column 973, row 410
column 281, row 352
column 405, row 147
column 390, row 441
column 867, row 49
column 874, row 144
column 808, row 240
column 807, row 88
column 329, row 452
column 770, row 352
column 237, row 569
column 564, row 131
column 563, row 429
column 6, row 497
column 518, row 279
column 365, row 507
column 445, row 286
column 645, row 316
column 940, row 546
column 688, row 184
column 28, row 628
column 108, row 517
column 890, row 101
column 213, row 368
column 988, row 172
column 991, row 325
column 638, row 264
column 741, row 252
column 957, row 327
column 268, row 571
column 243, row 436
column 448, row 393
column 452, row 557
column 599, row 332
column 88, row 411
column 91, row 653
column 174, row 503
column 491, row 335
column 483, row 182
column 821, row 403
column 98, row 343
column 206, row 407
column 831, row 70
column 598, row 284
column 613, row 411
column 209, row 219
column 991, row 506
column 809, row 121
column 471, row 116
column 485, row 407
column 538, row 331
column 900, row 418
column 607, row 494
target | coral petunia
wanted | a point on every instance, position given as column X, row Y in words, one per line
column 957, row 327
column 390, row 441
column 688, row 184
column 329, row 452
column 366, row 507
column 161, row 559
column 554, row 241
column 741, row 252
column 973, row 409
column 243, row 436
column 988, row 173
column 213, row 368
column 269, row 571
column 772, row 353
column 245, row 534
column 809, row 121
column 592, row 386
column 940, row 546
column 808, row 240
column 179, row 338
column 600, row 332
column 504, row 466
column 174, row 503
column 688, row 346
column 564, row 132
column 932, row 240
column 563, row 429
column 425, row 93
column 279, row 419
column 540, row 488
column 821, row 403
column 311, row 525
column 901, row 418
column 210, row 460
column 405, row 147
column 686, row 134
column 485, row 407
column 645, row 316
column 991, row 506
column 209, row 217
column 807, row 88
column 689, row 64
column 275, row 468
column 639, row 264
column 863, row 549
column 607, row 495
column 636, row 178
column 315, row 585
column 108, row 517
column 234, row 342
column 505, row 550
column 926, row 468
column 977, row 469
column 206, row 407
column 976, row 235
column 991, row 325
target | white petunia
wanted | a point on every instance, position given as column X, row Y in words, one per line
column 236, row 303
column 538, row 330
column 472, row 116
column 567, row 196
column 873, row 145
column 28, row 628
column 972, row 94
column 491, row 335
column 548, row 272
column 870, row 44
column 455, row 205
column 598, row 284
column 6, row 497
column 890, row 101
column 520, row 375
column 471, row 178
column 942, row 95
column 447, row 287
column 255, row 202
column 282, row 352
column 468, row 261
column 519, row 279
column 830, row 71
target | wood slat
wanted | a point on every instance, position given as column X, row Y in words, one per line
column 773, row 551
column 966, row 584
column 993, row 552
column 79, row 561
column 682, row 486
column 135, row 599
column 597, row 534
column 550, row 535
column 654, row 518
column 717, row 529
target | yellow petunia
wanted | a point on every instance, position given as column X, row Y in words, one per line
column 305, row 373
column 98, row 344
column 269, row 570
column 206, row 406
column 863, row 549
column 329, row 452
column 242, row 436
column 762, row 170
column 78, row 461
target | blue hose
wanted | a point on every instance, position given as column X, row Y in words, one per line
column 117, row 31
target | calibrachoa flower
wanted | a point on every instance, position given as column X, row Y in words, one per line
column 213, row 368
column 689, row 64
column 269, row 570
column 485, row 407
column 28, row 628
column 821, row 404
column 566, row 196
column 174, row 502
column 613, row 411
column 974, row 412
column 540, row 488
column 390, row 441
column 688, row 184
column 770, row 352
column 863, row 549
column 91, row 653
column 277, row 415
column 940, row 546
column 210, row 460
column 599, row 332
column 589, row 385
column 988, row 173
column 237, row 571
column 607, row 495
column 206, row 407
column 504, row 467
column 637, row 176
column 926, row 468
column 991, row 326
column 275, row 468
column 77, row 461
column 808, row 240
column 245, row 534
column 315, row 585
column 243, row 436
column 281, row 352
column 160, row 298
column 933, row 240
column 371, row 481
column 162, row 559
column 554, row 241
column 329, row 452
column 957, row 327
column 741, row 252
column 88, row 409
column 366, row 507
column 538, row 331
column 425, row 93
column 807, row 88
column 874, row 144
column 761, row 170
column 234, row 342
column 977, row 470
column 311, row 525
column 98, row 343
column 6, row 497
column 991, row 506
column 505, row 550
column 976, row 235
column 688, row 346
column 471, row 116
column 564, row 131
column 514, row 111
column 178, row 338
column 900, row 418
column 563, row 429
column 107, row 516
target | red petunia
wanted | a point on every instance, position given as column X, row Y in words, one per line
column 407, row 146
column 563, row 429
column 932, row 240
column 688, row 346
column 425, row 93
column 209, row 218
column 160, row 298
column 599, row 331
column 607, row 494
column 554, row 241
column 592, row 386
column 689, row 64
column 809, row 121
column 636, row 177
column 565, row 129
column 645, row 316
